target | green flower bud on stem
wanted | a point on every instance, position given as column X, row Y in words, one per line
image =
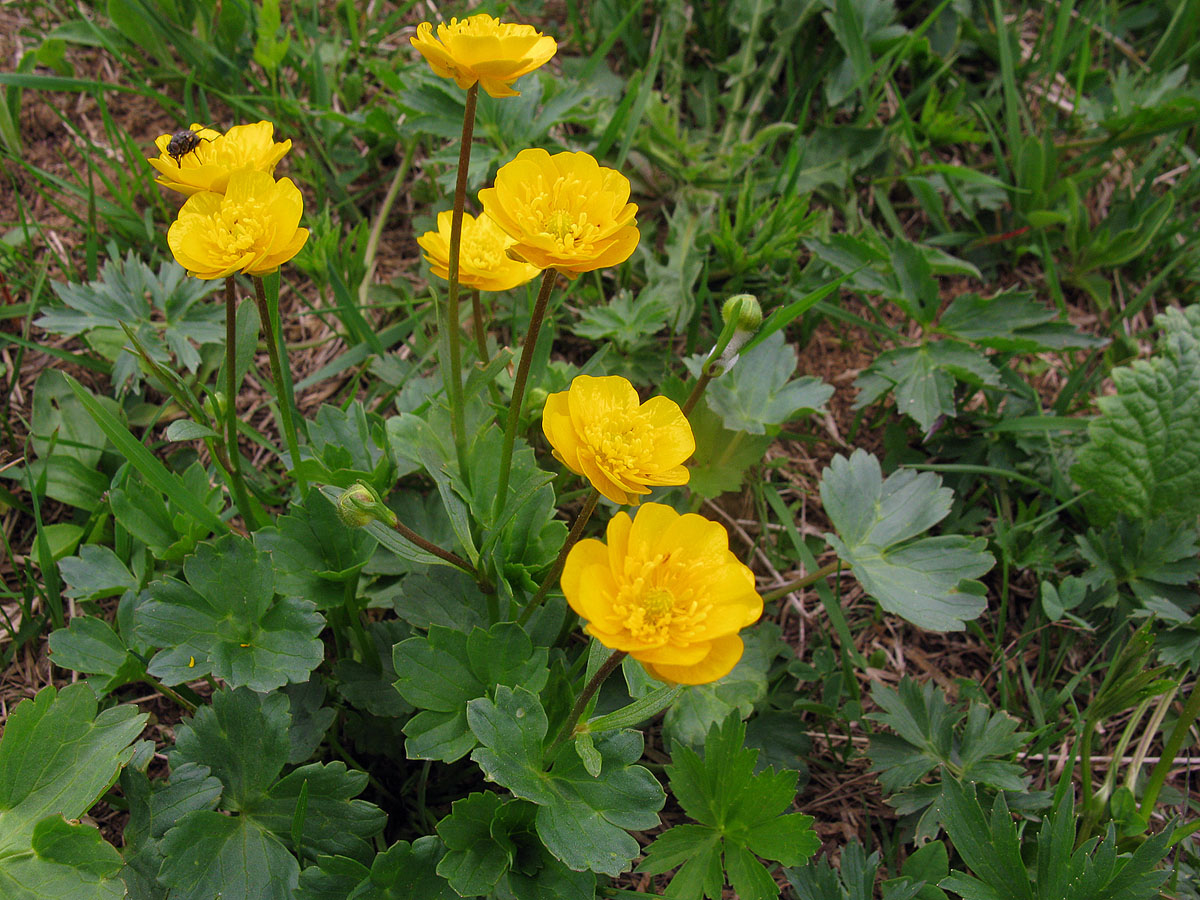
column 746, row 309
column 359, row 505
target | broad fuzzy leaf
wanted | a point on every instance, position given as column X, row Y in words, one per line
column 582, row 820
column 1142, row 458
column 741, row 816
column 227, row 621
column 930, row 581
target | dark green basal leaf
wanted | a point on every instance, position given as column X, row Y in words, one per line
column 89, row 645
column 349, row 445
column 446, row 597
column 209, row 855
column 582, row 820
column 243, row 740
column 95, row 573
column 1012, row 322
column 403, row 872
column 742, row 816
column 370, row 685
column 441, row 672
column 227, row 621
column 309, row 719
column 61, row 422
column 474, row 859
column 722, row 457
column 928, row 581
column 314, row 554
column 57, row 756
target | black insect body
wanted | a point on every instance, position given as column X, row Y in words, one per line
column 182, row 143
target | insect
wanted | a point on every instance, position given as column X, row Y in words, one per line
column 182, row 143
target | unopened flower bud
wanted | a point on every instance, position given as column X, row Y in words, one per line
column 747, row 309
column 359, row 505
column 214, row 405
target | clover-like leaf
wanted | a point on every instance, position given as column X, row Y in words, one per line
column 583, row 820
column 741, row 816
column 758, row 394
column 227, row 621
column 314, row 554
column 441, row 672
column 57, row 756
column 930, row 581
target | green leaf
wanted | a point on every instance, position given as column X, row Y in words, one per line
column 928, row 581
column 60, row 421
column 701, row 706
column 474, row 860
column 403, row 872
column 441, row 672
column 90, row 645
column 333, row 822
column 209, row 855
column 1142, row 458
column 722, row 456
column 242, row 738
column 583, row 821
column 758, row 394
column 95, row 573
column 80, row 847
column 1012, row 322
column 226, row 620
column 187, row 430
column 930, row 732
column 741, row 816
column 922, row 378
column 162, row 308
column 57, row 756
column 155, row 473
column 314, row 554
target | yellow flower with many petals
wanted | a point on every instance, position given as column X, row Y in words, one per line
column 217, row 156
column 667, row 590
column 485, row 50
column 566, row 212
column 599, row 429
column 251, row 228
column 482, row 261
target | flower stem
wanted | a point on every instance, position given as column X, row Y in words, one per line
column 1183, row 725
column 281, row 394
column 477, row 327
column 428, row 546
column 236, row 479
column 453, row 331
column 169, row 693
column 827, row 569
column 697, row 392
column 581, row 702
column 589, row 506
column 518, row 394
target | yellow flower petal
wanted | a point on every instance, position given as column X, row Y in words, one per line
column 483, row 263
column 218, row 156
column 564, row 212
column 667, row 590
column 481, row 49
column 599, row 430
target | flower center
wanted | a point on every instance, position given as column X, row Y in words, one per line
column 561, row 224
column 657, row 602
column 238, row 229
column 481, row 252
column 622, row 446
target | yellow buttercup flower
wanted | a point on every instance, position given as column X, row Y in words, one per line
column 482, row 261
column 251, row 228
column 599, row 429
column 485, row 50
column 667, row 590
column 566, row 212
column 217, row 156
